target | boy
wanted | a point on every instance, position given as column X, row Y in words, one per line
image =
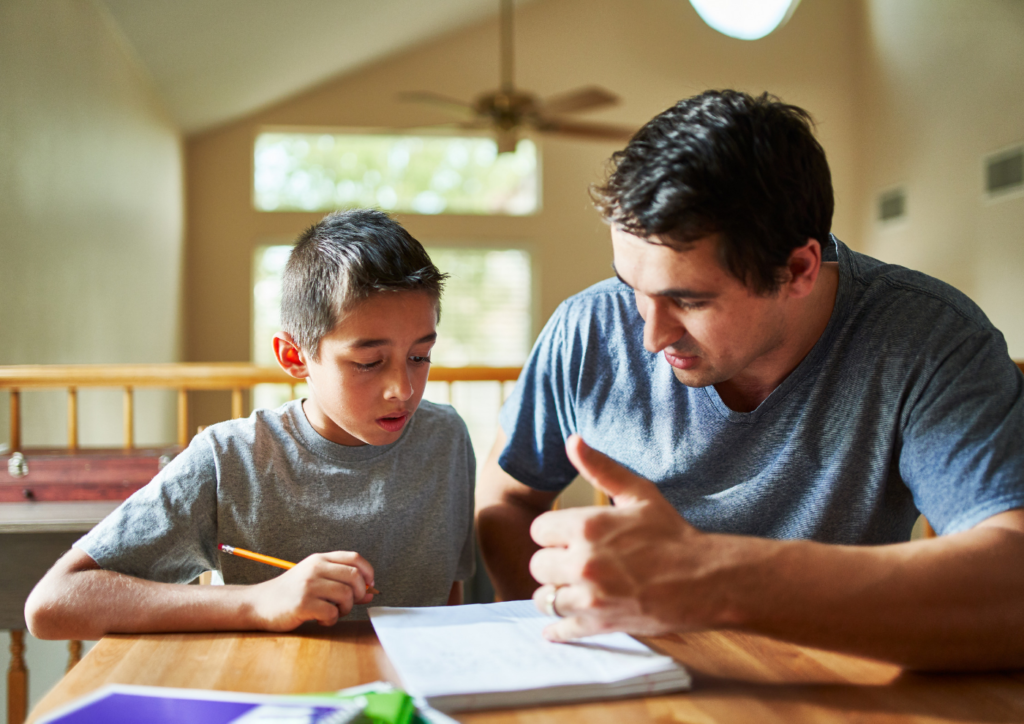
column 348, row 482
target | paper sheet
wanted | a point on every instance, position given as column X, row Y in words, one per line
column 452, row 650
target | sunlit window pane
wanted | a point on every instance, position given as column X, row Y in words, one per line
column 485, row 313
column 408, row 174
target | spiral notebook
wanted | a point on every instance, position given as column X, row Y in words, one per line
column 492, row 656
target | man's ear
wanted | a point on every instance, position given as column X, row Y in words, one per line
column 803, row 267
column 291, row 358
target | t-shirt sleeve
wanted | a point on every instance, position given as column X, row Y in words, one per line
column 962, row 456
column 467, row 557
column 539, row 415
column 167, row 530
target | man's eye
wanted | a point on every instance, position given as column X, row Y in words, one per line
column 683, row 304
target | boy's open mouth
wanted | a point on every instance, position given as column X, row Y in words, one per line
column 393, row 423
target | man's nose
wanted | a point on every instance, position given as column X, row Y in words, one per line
column 661, row 328
column 399, row 383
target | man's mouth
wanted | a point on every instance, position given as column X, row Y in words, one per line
column 395, row 422
column 680, row 361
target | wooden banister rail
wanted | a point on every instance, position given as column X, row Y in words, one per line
column 183, row 377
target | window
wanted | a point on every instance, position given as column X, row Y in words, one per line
column 408, row 174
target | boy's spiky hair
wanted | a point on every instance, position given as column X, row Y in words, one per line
column 343, row 259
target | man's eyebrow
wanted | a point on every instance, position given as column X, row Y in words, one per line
column 370, row 343
column 674, row 293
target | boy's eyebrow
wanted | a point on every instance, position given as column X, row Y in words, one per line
column 674, row 293
column 367, row 343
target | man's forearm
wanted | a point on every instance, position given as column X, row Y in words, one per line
column 506, row 547
column 947, row 603
column 505, row 509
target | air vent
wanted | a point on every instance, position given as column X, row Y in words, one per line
column 1004, row 172
column 892, row 205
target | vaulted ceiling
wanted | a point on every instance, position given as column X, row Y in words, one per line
column 214, row 61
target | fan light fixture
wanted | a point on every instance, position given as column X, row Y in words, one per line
column 745, row 19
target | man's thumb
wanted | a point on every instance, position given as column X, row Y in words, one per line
column 607, row 475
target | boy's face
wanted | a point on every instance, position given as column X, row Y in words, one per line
column 372, row 368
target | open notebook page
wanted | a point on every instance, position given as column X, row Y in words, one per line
column 467, row 656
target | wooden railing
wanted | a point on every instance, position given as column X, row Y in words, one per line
column 183, row 378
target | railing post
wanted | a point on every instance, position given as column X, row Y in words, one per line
column 129, row 418
column 74, row 654
column 183, row 417
column 72, row 418
column 236, row 403
column 15, row 420
column 17, row 680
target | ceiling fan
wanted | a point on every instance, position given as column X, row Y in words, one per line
column 507, row 111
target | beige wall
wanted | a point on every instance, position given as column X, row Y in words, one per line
column 944, row 85
column 651, row 52
column 91, row 227
column 91, row 205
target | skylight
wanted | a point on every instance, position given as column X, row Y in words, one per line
column 745, row 19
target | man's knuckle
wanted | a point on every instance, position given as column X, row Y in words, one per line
column 593, row 527
column 595, row 569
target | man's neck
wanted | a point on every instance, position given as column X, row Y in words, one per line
column 744, row 392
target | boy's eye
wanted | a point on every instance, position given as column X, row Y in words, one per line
column 683, row 304
column 420, row 360
column 368, row 366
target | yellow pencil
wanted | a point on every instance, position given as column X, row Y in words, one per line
column 269, row 560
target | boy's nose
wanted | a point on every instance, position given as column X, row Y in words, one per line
column 399, row 385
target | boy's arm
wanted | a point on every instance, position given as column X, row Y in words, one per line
column 77, row 599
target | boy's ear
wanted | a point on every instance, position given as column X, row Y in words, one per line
column 290, row 356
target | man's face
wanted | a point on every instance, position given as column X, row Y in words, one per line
column 708, row 325
column 372, row 369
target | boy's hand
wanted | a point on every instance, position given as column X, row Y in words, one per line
column 322, row 588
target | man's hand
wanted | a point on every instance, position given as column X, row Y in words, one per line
column 637, row 566
column 323, row 587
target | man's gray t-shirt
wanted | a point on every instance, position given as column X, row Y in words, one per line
column 908, row 402
column 271, row 484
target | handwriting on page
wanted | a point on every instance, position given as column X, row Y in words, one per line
column 443, row 655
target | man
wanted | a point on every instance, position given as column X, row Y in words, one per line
column 769, row 411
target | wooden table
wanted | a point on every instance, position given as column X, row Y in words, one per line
column 737, row 678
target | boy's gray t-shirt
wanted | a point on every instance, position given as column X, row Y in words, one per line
column 271, row 484
column 908, row 401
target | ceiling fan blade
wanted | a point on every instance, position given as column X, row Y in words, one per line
column 451, row 105
column 580, row 99
column 585, row 130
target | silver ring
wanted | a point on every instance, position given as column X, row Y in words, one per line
column 549, row 602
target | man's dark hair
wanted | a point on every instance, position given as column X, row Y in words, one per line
column 343, row 259
column 748, row 169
